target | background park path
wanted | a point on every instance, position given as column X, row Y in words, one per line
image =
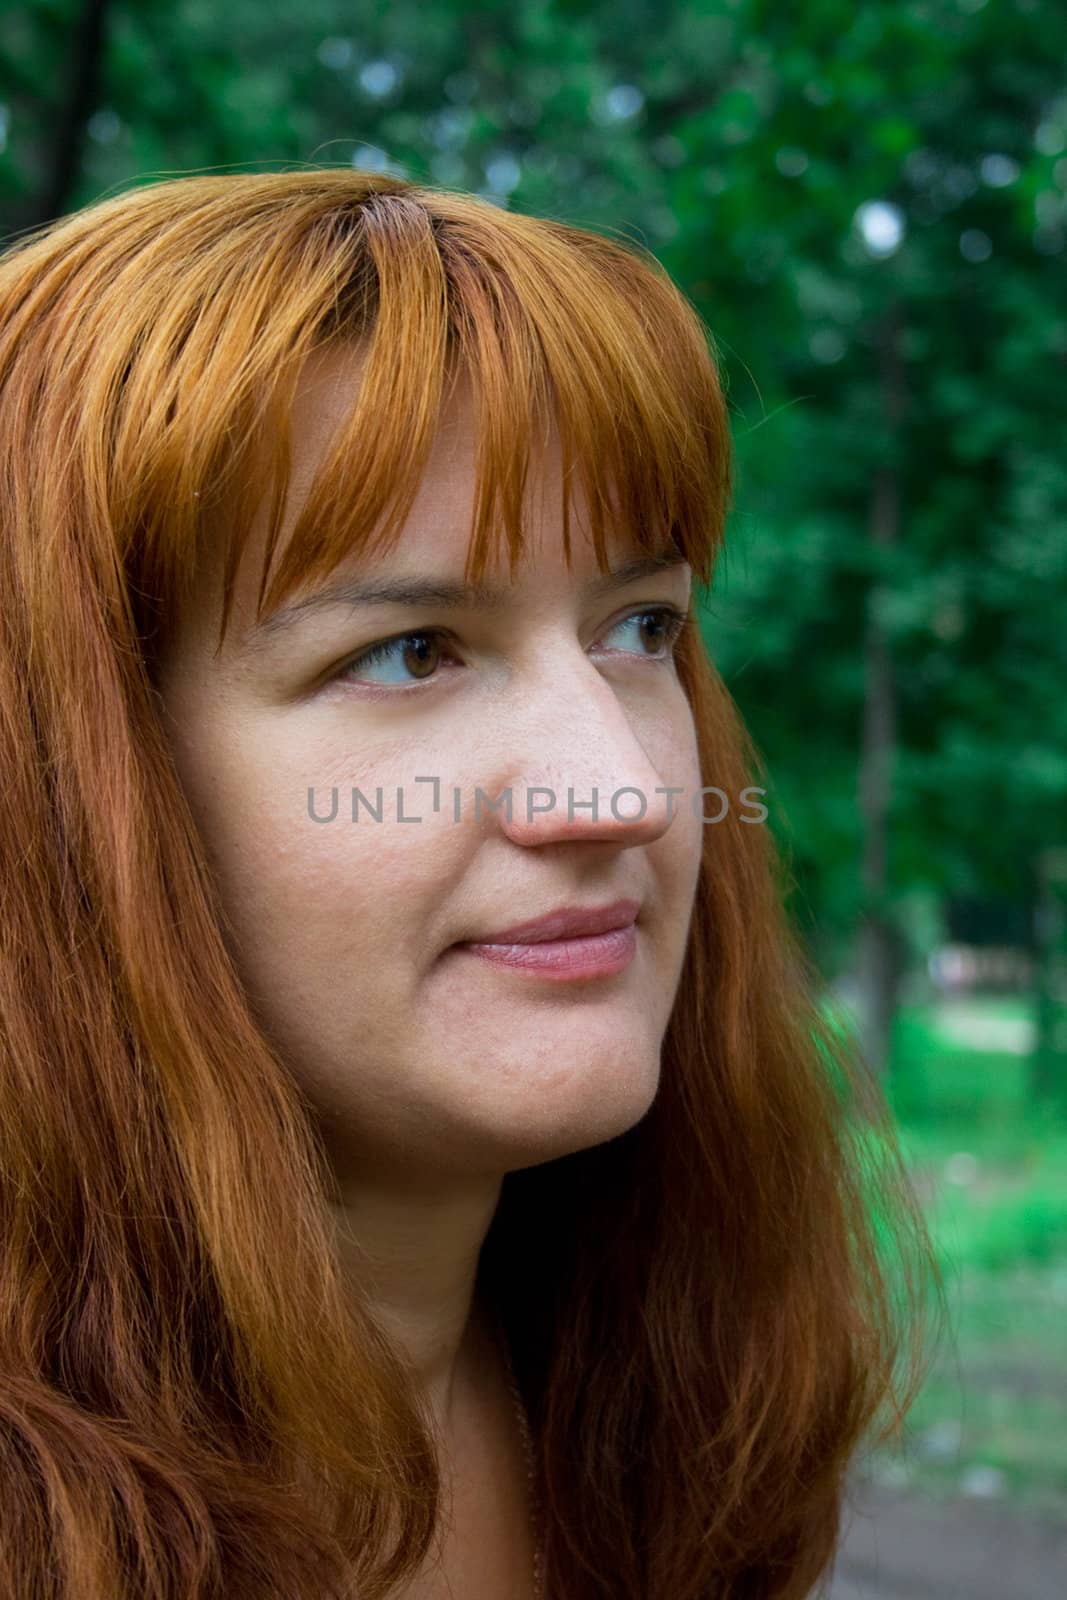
column 898, row 1546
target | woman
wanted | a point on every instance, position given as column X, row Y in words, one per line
column 359, row 1237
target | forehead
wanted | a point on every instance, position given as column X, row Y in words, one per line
column 439, row 522
column 433, row 543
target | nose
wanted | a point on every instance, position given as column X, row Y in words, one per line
column 576, row 769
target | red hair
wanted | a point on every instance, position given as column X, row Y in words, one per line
column 709, row 1314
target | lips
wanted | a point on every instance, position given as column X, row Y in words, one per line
column 565, row 922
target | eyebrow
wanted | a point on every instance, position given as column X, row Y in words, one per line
column 379, row 591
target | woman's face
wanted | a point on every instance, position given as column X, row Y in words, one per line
column 421, row 1058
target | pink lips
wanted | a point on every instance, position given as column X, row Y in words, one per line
column 568, row 943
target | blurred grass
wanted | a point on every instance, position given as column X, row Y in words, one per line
column 991, row 1419
column 936, row 1075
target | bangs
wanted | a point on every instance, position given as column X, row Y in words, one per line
column 550, row 324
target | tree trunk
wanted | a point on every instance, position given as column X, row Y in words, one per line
column 84, row 79
column 878, row 952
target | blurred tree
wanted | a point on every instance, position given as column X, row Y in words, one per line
column 86, row 51
column 902, row 161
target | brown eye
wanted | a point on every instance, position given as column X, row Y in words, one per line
column 416, row 653
column 420, row 654
column 659, row 625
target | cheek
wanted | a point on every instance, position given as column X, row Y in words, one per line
column 691, row 837
column 678, row 759
column 272, row 863
column 331, row 908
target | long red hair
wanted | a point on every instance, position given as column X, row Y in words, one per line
column 709, row 1314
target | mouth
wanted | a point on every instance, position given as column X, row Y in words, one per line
column 566, row 945
column 565, row 922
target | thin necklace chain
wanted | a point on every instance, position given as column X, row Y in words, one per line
column 531, row 1476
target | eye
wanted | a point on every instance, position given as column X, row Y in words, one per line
column 419, row 651
column 666, row 622
column 416, row 656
